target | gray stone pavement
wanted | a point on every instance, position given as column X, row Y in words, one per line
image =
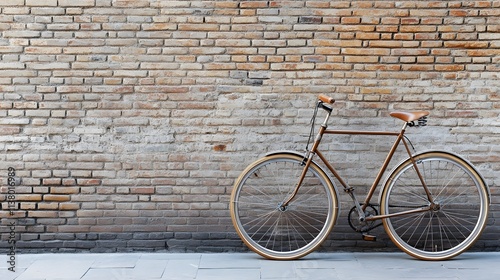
column 208, row 266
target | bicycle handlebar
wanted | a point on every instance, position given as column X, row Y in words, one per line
column 326, row 99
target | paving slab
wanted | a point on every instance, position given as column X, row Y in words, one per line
column 173, row 256
column 149, row 269
column 21, row 262
column 317, row 274
column 116, row 261
column 181, row 269
column 328, row 261
column 249, row 266
column 56, row 268
column 10, row 275
column 109, row 274
column 230, row 261
column 278, row 269
column 143, row 269
column 233, row 273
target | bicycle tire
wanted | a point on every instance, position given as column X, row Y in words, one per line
column 448, row 230
column 283, row 234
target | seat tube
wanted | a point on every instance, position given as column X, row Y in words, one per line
column 421, row 178
column 387, row 160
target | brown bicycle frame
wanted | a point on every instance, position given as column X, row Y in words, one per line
column 362, row 207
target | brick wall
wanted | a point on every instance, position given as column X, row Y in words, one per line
column 127, row 121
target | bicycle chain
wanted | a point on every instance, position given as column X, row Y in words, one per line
column 362, row 227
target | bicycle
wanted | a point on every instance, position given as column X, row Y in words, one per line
column 433, row 205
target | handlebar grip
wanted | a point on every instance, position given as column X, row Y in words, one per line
column 326, row 99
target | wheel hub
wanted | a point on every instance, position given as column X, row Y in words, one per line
column 436, row 207
column 282, row 208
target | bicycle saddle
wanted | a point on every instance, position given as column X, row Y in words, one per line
column 409, row 116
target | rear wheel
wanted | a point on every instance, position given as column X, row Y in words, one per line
column 278, row 232
column 455, row 221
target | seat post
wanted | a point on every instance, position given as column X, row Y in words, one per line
column 405, row 125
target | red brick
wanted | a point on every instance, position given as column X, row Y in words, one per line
column 446, row 67
column 252, row 66
column 333, row 66
column 413, row 21
column 404, row 36
column 376, row 91
column 491, row 52
column 386, row 44
column 52, row 181
column 466, row 45
column 28, row 197
column 59, row 198
column 42, row 214
column 418, row 28
column 420, row 68
column 350, row 20
column 253, row 4
column 64, row 190
column 88, row 182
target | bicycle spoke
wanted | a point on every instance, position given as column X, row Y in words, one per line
column 259, row 218
column 416, row 223
column 456, row 197
column 458, row 222
column 261, row 225
column 282, row 232
column 451, row 233
column 302, row 222
column 460, row 214
column 453, row 222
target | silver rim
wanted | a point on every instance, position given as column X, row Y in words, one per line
column 444, row 232
column 276, row 232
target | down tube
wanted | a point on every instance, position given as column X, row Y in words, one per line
column 383, row 168
column 332, row 169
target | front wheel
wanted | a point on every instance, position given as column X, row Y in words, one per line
column 458, row 215
column 272, row 230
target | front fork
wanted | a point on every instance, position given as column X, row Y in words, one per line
column 309, row 156
column 307, row 163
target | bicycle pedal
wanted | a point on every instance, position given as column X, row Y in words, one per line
column 368, row 237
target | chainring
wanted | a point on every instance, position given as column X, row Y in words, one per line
column 358, row 225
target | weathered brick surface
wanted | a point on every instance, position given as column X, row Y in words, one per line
column 128, row 121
